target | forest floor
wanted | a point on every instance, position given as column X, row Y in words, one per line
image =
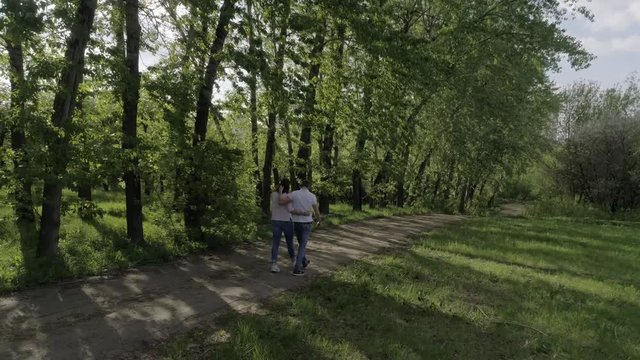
column 108, row 317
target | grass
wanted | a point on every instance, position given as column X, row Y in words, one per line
column 100, row 246
column 87, row 247
column 342, row 213
column 571, row 209
column 493, row 288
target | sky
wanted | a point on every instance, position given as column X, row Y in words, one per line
column 613, row 37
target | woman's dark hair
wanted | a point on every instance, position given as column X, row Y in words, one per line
column 285, row 185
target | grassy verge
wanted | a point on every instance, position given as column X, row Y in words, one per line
column 342, row 213
column 494, row 288
column 87, row 247
column 99, row 246
column 568, row 208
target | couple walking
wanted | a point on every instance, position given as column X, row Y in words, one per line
column 292, row 213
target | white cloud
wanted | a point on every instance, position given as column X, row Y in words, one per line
column 620, row 44
column 614, row 15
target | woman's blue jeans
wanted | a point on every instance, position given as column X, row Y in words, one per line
column 279, row 228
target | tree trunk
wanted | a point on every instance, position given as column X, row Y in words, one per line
column 436, row 188
column 471, row 193
column 268, row 162
column 290, row 156
column 84, row 192
column 23, row 202
column 195, row 203
column 304, row 151
column 277, row 107
column 130, row 97
column 418, row 183
column 356, row 177
column 448, row 183
column 406, row 151
column 63, row 106
column 381, row 178
column 276, row 175
column 211, row 73
column 400, row 190
column 481, row 191
column 463, row 197
column 253, row 101
column 324, row 199
column 361, row 140
column 328, row 138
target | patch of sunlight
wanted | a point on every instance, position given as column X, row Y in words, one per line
column 248, row 343
column 608, row 291
column 338, row 349
column 397, row 351
column 499, row 255
column 573, row 325
column 530, row 245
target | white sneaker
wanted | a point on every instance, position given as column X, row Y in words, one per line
column 275, row 268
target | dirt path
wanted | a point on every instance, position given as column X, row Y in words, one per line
column 99, row 319
column 512, row 210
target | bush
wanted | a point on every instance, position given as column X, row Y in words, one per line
column 518, row 189
column 226, row 194
column 564, row 208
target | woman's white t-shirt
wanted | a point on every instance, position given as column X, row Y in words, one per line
column 280, row 212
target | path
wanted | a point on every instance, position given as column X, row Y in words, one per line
column 512, row 210
column 98, row 319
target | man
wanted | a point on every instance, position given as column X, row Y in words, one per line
column 304, row 202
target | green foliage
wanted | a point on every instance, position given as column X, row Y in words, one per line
column 89, row 210
column 230, row 214
column 598, row 136
column 491, row 288
column 557, row 207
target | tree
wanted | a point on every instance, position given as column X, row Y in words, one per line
column 130, row 96
column 22, row 22
column 63, row 106
column 598, row 145
column 195, row 200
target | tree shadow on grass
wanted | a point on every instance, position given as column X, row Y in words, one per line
column 589, row 323
column 563, row 250
column 36, row 270
column 151, row 252
column 364, row 317
column 338, row 320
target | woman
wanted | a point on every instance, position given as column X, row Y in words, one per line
column 281, row 223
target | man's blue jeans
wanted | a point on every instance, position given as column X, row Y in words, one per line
column 303, row 231
column 280, row 227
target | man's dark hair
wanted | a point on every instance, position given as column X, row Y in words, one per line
column 305, row 183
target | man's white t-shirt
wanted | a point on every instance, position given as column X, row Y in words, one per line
column 303, row 199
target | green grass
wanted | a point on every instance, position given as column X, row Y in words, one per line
column 342, row 213
column 571, row 209
column 491, row 288
column 100, row 246
column 87, row 247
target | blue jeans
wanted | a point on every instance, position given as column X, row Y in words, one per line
column 278, row 228
column 303, row 231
